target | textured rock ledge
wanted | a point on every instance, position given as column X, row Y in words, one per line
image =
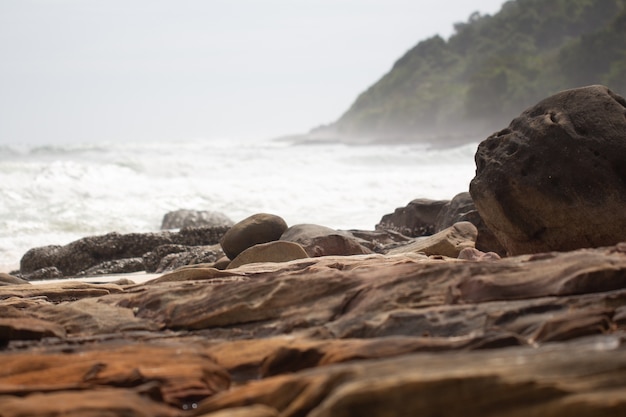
column 374, row 335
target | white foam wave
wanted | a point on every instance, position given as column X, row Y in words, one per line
column 55, row 194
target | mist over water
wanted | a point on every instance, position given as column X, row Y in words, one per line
column 54, row 194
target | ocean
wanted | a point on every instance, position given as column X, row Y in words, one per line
column 54, row 194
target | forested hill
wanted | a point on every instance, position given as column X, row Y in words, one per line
column 490, row 70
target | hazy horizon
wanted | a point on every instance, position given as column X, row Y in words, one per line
column 87, row 70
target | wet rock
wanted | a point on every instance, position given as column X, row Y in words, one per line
column 118, row 266
column 277, row 251
column 418, row 218
column 194, row 218
column 89, row 252
column 323, row 241
column 258, row 228
column 555, row 178
column 170, row 257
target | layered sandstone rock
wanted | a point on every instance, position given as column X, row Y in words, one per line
column 326, row 336
column 555, row 179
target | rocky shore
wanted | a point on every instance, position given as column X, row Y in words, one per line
column 509, row 299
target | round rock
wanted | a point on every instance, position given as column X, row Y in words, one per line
column 258, row 228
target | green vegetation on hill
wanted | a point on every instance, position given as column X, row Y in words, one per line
column 490, row 70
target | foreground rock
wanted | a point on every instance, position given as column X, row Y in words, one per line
column 394, row 335
column 555, row 179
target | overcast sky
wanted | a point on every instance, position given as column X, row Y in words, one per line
column 91, row 70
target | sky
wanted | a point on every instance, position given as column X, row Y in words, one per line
column 134, row 70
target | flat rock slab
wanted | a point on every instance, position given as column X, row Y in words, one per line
column 372, row 335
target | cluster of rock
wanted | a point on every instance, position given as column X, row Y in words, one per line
column 422, row 316
column 116, row 253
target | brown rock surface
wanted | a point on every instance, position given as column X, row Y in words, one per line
column 323, row 241
column 449, row 242
column 376, row 335
column 277, row 251
column 555, row 179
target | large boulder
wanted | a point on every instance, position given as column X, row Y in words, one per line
column 555, row 179
column 194, row 218
column 323, row 241
column 418, row 218
column 258, row 228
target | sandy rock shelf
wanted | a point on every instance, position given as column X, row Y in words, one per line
column 376, row 335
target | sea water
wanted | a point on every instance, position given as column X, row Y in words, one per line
column 54, row 194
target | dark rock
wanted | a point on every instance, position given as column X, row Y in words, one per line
column 153, row 258
column 258, row 228
column 193, row 255
column 199, row 236
column 454, row 211
column 418, row 218
column 169, row 257
column 89, row 252
column 50, row 272
column 117, row 266
column 323, row 241
column 461, row 209
column 555, row 179
column 277, row 251
column 194, row 218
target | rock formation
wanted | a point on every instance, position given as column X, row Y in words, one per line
column 111, row 253
column 327, row 336
column 555, row 179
